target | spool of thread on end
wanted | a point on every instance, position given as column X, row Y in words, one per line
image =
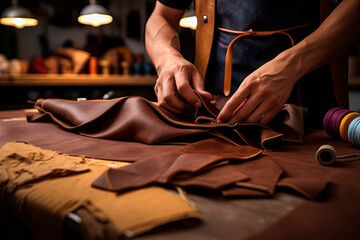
column 326, row 155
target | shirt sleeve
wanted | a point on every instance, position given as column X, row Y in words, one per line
column 178, row 4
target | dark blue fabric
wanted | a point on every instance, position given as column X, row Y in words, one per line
column 178, row 4
column 251, row 53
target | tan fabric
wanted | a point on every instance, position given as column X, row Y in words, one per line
column 43, row 206
column 94, row 225
column 22, row 163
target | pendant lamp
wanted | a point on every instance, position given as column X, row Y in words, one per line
column 17, row 16
column 189, row 19
column 94, row 15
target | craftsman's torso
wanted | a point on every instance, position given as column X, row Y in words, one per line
column 251, row 53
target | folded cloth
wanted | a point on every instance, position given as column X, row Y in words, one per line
column 43, row 205
column 22, row 163
column 137, row 119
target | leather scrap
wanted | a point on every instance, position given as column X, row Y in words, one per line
column 183, row 167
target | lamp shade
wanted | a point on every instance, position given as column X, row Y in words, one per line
column 18, row 17
column 94, row 15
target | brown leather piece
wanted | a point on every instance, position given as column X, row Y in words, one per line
column 264, row 178
column 137, row 119
column 51, row 136
column 184, row 167
column 213, row 178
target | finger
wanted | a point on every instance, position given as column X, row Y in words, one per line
column 162, row 103
column 260, row 112
column 185, row 90
column 170, row 97
column 243, row 112
column 230, row 107
column 270, row 115
column 198, row 85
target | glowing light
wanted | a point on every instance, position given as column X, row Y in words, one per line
column 189, row 22
column 95, row 19
column 19, row 22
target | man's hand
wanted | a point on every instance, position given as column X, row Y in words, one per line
column 176, row 84
column 266, row 90
column 178, row 78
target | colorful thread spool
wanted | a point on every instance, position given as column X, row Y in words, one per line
column 354, row 132
column 332, row 120
column 344, row 125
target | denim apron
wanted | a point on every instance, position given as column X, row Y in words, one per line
column 252, row 52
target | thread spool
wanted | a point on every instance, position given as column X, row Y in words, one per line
column 354, row 132
column 344, row 125
column 93, row 64
column 332, row 120
column 326, row 121
column 326, row 155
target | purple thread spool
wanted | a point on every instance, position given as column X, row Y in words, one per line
column 336, row 120
column 328, row 121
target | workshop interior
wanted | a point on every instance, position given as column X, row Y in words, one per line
column 88, row 153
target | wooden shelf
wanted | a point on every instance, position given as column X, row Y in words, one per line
column 94, row 80
column 354, row 81
column 76, row 80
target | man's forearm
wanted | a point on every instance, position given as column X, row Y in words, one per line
column 336, row 35
column 161, row 41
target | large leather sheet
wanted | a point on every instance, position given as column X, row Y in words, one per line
column 137, row 119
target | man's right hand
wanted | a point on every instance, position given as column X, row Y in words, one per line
column 176, row 84
column 178, row 78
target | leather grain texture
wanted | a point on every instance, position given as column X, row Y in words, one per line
column 137, row 119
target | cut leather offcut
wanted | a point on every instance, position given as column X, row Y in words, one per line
column 261, row 182
column 137, row 119
column 183, row 167
column 234, row 171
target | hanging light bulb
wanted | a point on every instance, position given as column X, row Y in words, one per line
column 17, row 16
column 189, row 19
column 189, row 22
column 94, row 15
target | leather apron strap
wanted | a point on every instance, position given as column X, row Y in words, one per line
column 249, row 33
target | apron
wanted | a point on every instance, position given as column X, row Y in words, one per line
column 252, row 52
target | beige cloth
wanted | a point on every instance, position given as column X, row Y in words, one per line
column 43, row 206
column 22, row 163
